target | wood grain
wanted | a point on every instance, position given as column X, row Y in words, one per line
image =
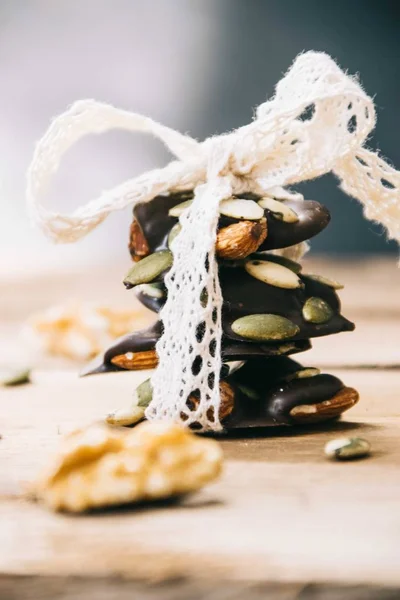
column 282, row 521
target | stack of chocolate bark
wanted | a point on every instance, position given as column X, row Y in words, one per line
column 270, row 310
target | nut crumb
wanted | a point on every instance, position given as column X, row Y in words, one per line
column 80, row 331
column 99, row 466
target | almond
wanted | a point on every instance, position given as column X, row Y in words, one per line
column 240, row 239
column 227, row 395
column 136, row 361
column 138, row 246
column 328, row 409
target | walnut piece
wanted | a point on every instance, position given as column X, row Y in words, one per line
column 81, row 331
column 100, row 466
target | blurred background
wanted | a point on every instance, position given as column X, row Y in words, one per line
column 197, row 65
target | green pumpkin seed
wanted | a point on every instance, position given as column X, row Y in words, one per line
column 264, row 327
column 279, row 210
column 321, row 279
column 144, row 393
column 285, row 348
column 12, row 376
column 280, row 260
column 150, row 267
column 316, row 310
column 237, row 208
column 177, row 210
column 273, row 274
column 248, row 391
column 347, row 448
column 175, row 231
column 303, row 373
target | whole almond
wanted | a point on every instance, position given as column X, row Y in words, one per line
column 138, row 246
column 328, row 409
column 240, row 239
column 136, row 361
column 227, row 395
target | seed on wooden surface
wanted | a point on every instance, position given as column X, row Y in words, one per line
column 237, row 208
column 347, row 448
column 147, row 269
column 10, row 376
column 264, row 327
column 144, row 393
column 273, row 274
column 316, row 310
column 124, row 417
column 279, row 210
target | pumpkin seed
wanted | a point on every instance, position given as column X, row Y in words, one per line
column 347, row 448
column 279, row 210
column 177, row 210
column 126, row 416
column 273, row 274
column 150, row 267
column 264, row 327
column 248, row 391
column 321, row 279
column 144, row 393
column 316, row 310
column 175, row 231
column 13, row 376
column 154, row 290
column 285, row 348
column 281, row 260
column 232, row 366
column 303, row 373
column 237, row 208
column 280, row 193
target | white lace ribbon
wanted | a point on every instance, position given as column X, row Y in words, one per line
column 317, row 122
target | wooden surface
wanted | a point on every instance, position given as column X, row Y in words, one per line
column 282, row 521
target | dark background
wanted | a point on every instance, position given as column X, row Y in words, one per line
column 200, row 66
column 258, row 42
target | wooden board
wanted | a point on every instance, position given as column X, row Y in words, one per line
column 282, row 521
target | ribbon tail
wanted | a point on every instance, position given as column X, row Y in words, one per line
column 190, row 348
column 373, row 182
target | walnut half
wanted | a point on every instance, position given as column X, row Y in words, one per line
column 99, row 466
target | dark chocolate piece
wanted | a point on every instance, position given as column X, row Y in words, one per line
column 245, row 295
column 146, row 339
column 313, row 218
column 156, row 224
column 266, row 393
column 149, row 300
column 311, row 390
column 154, row 220
column 139, row 341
